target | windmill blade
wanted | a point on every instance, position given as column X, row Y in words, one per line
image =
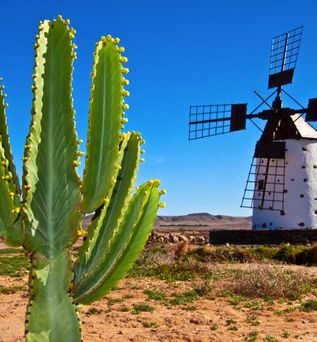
column 265, row 187
column 311, row 110
column 284, row 52
column 210, row 120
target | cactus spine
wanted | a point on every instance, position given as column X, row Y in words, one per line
column 46, row 215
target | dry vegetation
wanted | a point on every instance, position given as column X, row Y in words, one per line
column 189, row 293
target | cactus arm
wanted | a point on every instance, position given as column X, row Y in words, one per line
column 10, row 214
column 105, row 122
column 51, row 314
column 14, row 183
column 104, row 227
column 51, row 181
column 124, row 247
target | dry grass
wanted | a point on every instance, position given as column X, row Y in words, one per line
column 271, row 281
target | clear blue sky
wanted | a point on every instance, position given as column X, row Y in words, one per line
column 180, row 53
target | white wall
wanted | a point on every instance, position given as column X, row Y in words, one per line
column 300, row 198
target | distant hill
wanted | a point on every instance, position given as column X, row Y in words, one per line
column 202, row 221
column 197, row 221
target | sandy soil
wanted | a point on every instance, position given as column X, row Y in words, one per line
column 206, row 319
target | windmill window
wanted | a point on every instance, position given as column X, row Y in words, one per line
column 315, row 166
column 316, row 212
column 282, row 212
column 303, row 167
column 286, row 163
column 305, row 179
column 285, row 191
column 301, row 195
column 292, row 179
column 301, row 224
column 278, row 181
column 263, row 225
column 261, row 184
column 304, row 149
column 271, row 224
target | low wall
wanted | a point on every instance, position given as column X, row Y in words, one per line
column 262, row 237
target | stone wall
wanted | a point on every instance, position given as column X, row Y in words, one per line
column 195, row 238
column 262, row 237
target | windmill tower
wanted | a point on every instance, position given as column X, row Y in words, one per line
column 282, row 182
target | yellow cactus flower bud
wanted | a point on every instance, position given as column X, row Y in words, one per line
column 117, row 40
column 162, row 205
column 16, row 210
column 124, row 120
column 125, row 93
column 27, row 187
column 125, row 81
column 121, row 49
column 125, row 106
column 76, row 163
column 141, row 160
column 80, row 153
column 11, row 194
column 25, row 158
column 109, row 37
column 4, row 163
column 123, row 59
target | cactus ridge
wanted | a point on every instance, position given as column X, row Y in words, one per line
column 54, row 197
column 45, row 216
column 134, row 229
column 111, row 215
column 5, row 141
column 104, row 123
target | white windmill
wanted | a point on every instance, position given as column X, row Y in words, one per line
column 282, row 182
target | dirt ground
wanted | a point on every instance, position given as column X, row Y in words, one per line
column 205, row 319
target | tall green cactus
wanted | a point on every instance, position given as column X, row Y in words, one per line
column 45, row 218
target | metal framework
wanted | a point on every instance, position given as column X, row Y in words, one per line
column 265, row 187
column 209, row 120
column 284, row 53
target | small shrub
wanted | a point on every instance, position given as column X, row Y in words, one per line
column 150, row 324
column 183, row 298
column 13, row 266
column 252, row 320
column 309, row 305
column 93, row 311
column 270, row 339
column 155, row 295
column 123, row 308
column 11, row 289
column 142, row 307
column 252, row 336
